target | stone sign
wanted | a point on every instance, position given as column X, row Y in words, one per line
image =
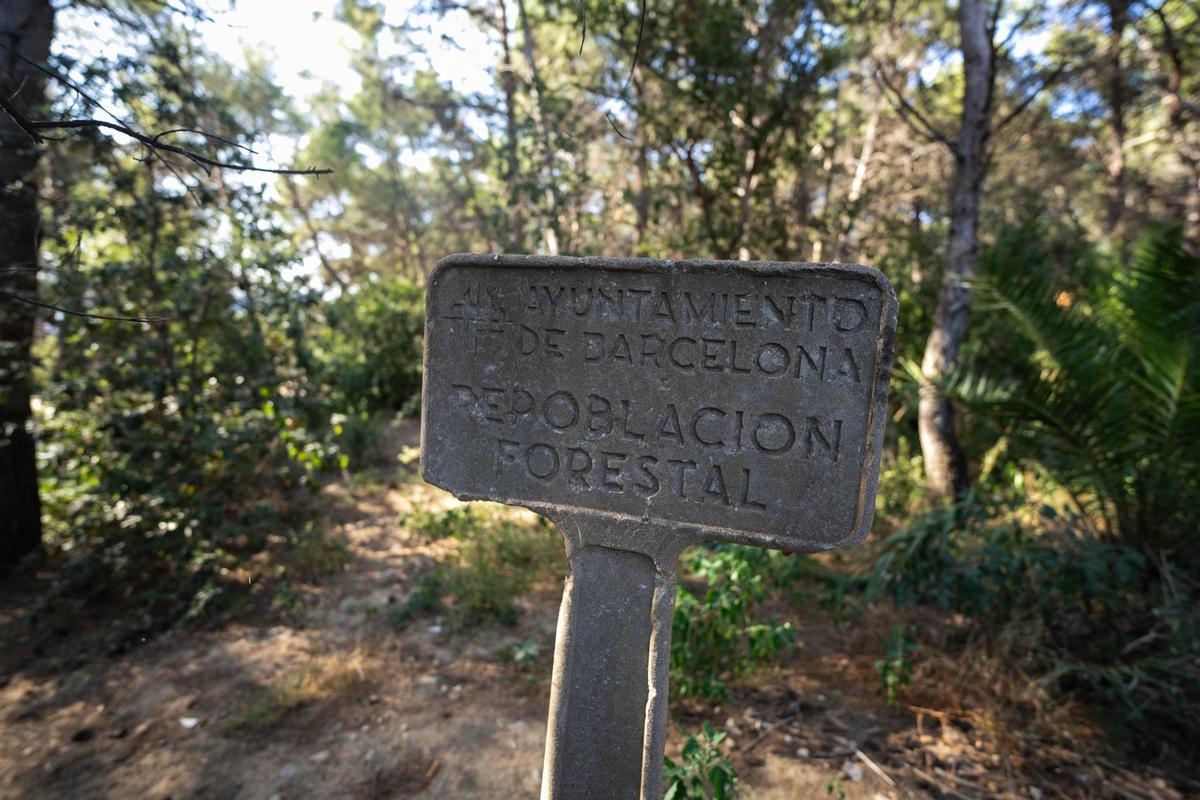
column 645, row 406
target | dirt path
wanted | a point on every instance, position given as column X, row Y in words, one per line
column 338, row 704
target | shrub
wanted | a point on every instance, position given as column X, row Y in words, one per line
column 373, row 348
column 714, row 635
column 497, row 563
column 896, row 668
column 1109, row 625
column 703, row 771
column 1110, row 400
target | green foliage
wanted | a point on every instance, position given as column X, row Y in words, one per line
column 524, row 655
column 968, row 558
column 1104, row 623
column 313, row 553
column 896, row 668
column 496, row 568
column 1110, row 398
column 704, row 772
column 497, row 562
column 169, row 451
column 715, row 636
column 456, row 521
column 372, row 352
column 425, row 596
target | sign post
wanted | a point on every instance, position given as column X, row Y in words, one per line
column 645, row 406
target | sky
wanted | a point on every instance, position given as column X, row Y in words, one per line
column 308, row 47
column 300, row 32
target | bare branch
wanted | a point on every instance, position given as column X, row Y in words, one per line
column 155, row 143
column 637, row 47
column 22, row 123
column 207, row 135
column 32, row 128
column 1015, row 29
column 582, row 24
column 916, row 120
column 1029, row 98
column 84, row 314
column 612, row 121
column 65, row 81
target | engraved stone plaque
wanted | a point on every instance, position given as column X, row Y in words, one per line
column 743, row 399
column 645, row 406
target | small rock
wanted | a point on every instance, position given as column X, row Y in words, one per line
column 1035, row 793
column 880, row 796
column 373, row 699
column 83, row 735
column 435, row 629
column 288, row 770
column 118, row 733
column 853, row 770
column 321, row 756
column 189, row 722
column 802, row 752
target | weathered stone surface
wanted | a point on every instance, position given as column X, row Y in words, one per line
column 645, row 406
column 744, row 400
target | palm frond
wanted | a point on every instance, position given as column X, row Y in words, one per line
column 1107, row 399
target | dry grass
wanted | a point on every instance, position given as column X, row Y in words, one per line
column 323, row 678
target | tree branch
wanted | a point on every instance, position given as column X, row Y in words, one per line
column 85, row 314
column 1024, row 104
column 916, row 120
column 33, row 127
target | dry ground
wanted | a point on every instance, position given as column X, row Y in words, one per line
column 331, row 702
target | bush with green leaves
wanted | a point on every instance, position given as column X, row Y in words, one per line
column 896, row 668
column 715, row 636
column 1110, row 625
column 170, row 451
column 703, row 772
column 372, row 349
column 1109, row 401
column 497, row 563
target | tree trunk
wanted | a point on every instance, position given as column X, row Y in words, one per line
column 641, row 202
column 1182, row 134
column 25, row 27
column 850, row 211
column 551, row 233
column 1115, row 92
column 945, row 465
column 512, row 172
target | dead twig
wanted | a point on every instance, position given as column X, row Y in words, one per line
column 34, row 130
column 84, row 314
column 935, row 783
column 878, row 770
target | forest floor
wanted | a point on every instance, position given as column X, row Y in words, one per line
column 329, row 700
